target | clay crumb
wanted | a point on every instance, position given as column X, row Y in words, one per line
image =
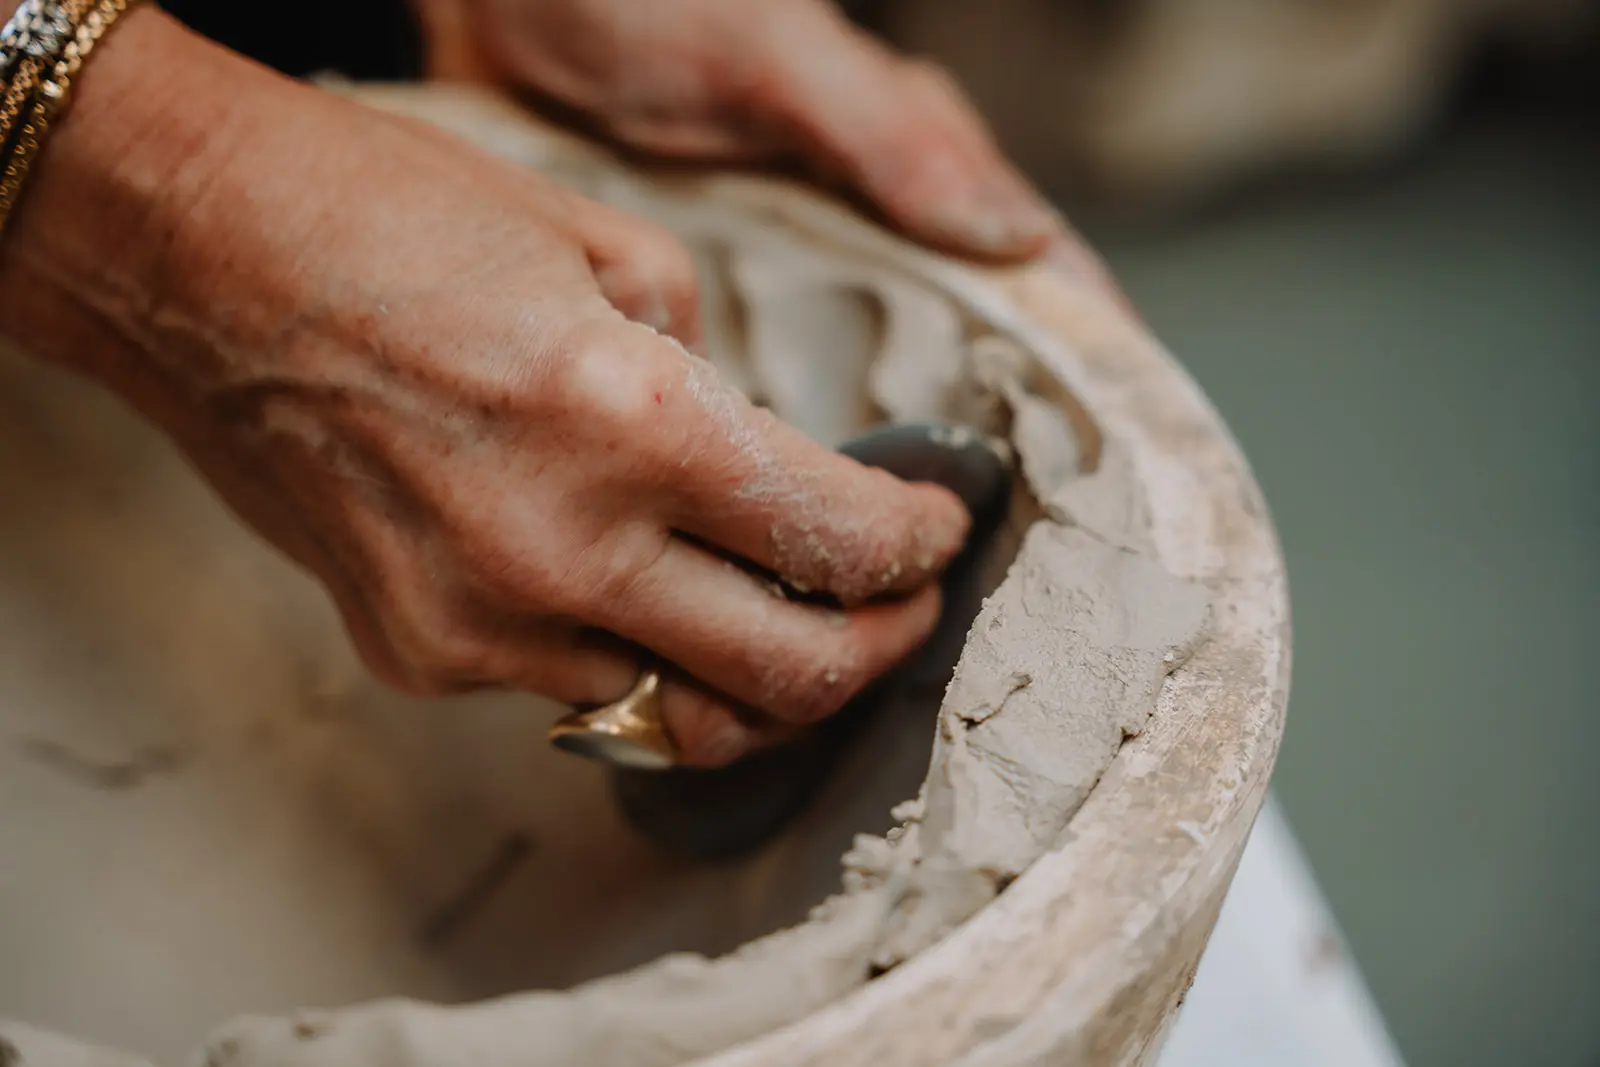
column 1174, row 659
column 953, row 436
column 908, row 810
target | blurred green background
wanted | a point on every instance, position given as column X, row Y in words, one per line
column 1411, row 360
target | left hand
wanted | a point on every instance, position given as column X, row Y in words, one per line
column 752, row 80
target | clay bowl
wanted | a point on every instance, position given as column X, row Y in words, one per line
column 211, row 813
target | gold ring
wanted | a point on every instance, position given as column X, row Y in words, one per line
column 627, row 733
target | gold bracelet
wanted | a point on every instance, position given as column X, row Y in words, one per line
column 50, row 94
column 19, row 93
column 33, row 53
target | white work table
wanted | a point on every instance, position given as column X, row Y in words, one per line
column 1277, row 987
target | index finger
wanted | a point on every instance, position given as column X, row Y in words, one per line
column 759, row 488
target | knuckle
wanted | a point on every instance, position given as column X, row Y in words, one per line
column 661, row 261
column 611, row 384
column 645, row 271
column 454, row 661
column 438, row 653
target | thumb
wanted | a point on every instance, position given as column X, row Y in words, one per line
column 905, row 136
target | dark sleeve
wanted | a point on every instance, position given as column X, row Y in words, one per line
column 369, row 39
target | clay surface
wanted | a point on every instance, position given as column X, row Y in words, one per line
column 1091, row 607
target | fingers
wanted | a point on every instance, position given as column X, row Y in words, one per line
column 430, row 638
column 636, row 439
column 725, row 627
column 762, row 490
column 711, row 464
column 439, row 653
column 905, row 135
column 642, row 269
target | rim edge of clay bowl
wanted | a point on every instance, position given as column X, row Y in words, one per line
column 1076, row 962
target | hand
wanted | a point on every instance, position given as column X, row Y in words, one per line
column 432, row 379
column 753, row 80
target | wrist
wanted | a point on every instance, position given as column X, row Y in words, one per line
column 154, row 116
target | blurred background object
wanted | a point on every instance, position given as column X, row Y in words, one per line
column 1371, row 229
column 1144, row 103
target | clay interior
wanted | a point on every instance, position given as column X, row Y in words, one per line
column 245, row 806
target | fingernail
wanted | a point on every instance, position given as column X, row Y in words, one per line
column 1002, row 226
column 1035, row 219
column 1025, row 210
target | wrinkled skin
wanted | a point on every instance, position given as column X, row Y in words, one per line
column 457, row 394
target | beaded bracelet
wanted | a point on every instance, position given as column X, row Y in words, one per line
column 42, row 48
column 29, row 43
column 38, row 28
